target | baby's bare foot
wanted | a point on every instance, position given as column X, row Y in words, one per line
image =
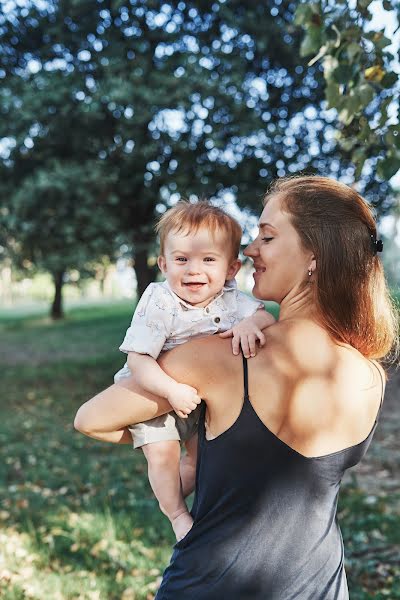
column 181, row 525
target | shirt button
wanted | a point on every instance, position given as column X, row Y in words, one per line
column 217, row 320
column 207, row 310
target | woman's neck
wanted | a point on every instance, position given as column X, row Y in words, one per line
column 298, row 304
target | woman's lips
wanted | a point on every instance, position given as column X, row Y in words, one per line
column 258, row 272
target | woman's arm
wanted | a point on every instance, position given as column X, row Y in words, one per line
column 106, row 416
column 150, row 376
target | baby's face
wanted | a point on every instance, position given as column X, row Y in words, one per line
column 196, row 265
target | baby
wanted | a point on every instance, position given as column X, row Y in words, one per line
column 199, row 246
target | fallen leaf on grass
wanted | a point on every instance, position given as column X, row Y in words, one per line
column 128, row 594
column 100, row 546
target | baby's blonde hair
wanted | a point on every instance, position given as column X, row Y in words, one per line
column 185, row 216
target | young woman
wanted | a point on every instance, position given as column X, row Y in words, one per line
column 283, row 427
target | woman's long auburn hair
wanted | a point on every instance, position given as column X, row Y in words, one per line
column 350, row 292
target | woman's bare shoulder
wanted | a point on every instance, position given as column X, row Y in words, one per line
column 300, row 345
column 322, row 396
column 305, row 348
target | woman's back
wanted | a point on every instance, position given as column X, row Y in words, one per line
column 265, row 513
column 316, row 396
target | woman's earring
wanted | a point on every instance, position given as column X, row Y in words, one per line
column 309, row 272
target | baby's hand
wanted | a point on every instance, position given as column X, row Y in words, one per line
column 183, row 399
column 246, row 333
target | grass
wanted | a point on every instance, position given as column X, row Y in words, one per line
column 78, row 519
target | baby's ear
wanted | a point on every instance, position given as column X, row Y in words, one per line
column 162, row 264
column 233, row 269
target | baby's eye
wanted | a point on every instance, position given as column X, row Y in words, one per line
column 267, row 239
column 180, row 259
column 209, row 259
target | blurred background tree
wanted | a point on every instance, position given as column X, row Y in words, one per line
column 117, row 109
column 362, row 78
column 61, row 222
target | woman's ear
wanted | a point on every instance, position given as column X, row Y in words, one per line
column 313, row 264
column 233, row 269
column 162, row 264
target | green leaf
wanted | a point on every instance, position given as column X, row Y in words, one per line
column 363, row 4
column 312, row 41
column 330, row 64
column 392, row 138
column 384, row 111
column 348, row 143
column 305, row 12
column 389, row 80
column 346, row 115
column 365, row 131
column 388, row 167
column 365, row 92
column 343, row 73
column 353, row 50
column 333, row 94
column 380, row 40
column 302, row 14
column 350, row 107
column 359, row 157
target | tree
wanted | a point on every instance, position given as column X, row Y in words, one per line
column 74, row 226
column 361, row 81
column 391, row 254
column 172, row 98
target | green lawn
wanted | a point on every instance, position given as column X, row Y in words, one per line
column 78, row 519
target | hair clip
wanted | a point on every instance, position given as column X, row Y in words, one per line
column 376, row 244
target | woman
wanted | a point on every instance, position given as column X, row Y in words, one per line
column 278, row 432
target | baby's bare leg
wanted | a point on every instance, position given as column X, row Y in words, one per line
column 106, row 416
column 188, row 466
column 163, row 469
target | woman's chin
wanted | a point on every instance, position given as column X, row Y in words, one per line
column 256, row 292
column 264, row 295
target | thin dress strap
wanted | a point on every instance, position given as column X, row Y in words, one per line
column 245, row 378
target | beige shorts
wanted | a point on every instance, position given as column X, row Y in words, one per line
column 165, row 428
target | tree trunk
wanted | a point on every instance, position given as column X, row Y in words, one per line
column 144, row 273
column 57, row 308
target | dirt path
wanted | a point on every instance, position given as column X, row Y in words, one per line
column 379, row 471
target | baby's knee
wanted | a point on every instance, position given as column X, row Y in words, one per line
column 162, row 454
column 82, row 422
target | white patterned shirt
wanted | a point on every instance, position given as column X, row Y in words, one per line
column 162, row 320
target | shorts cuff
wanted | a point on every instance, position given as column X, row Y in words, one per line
column 152, row 436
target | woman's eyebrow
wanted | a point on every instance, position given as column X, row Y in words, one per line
column 262, row 225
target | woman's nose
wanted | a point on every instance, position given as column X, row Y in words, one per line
column 251, row 249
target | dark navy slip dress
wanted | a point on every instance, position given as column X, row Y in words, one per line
column 264, row 519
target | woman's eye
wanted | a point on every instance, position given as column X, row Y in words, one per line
column 267, row 239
